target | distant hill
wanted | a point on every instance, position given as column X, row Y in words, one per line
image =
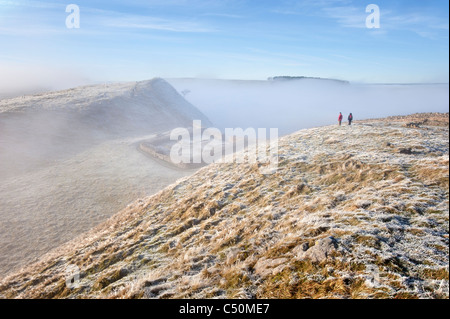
column 130, row 107
column 296, row 78
column 38, row 128
column 352, row 212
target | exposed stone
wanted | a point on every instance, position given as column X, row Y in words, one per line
column 413, row 124
column 265, row 267
column 319, row 252
column 407, row 151
column 304, row 246
column 232, row 255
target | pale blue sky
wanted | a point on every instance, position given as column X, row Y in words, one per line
column 229, row 39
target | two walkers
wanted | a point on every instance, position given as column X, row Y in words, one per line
column 341, row 117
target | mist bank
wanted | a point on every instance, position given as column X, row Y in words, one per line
column 293, row 105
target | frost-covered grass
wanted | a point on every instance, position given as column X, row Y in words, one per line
column 230, row 232
column 68, row 160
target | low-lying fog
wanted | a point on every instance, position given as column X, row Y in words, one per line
column 69, row 159
column 293, row 105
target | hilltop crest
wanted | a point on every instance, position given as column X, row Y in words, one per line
column 299, row 78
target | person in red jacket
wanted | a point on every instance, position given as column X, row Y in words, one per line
column 340, row 118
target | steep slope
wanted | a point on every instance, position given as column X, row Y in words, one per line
column 348, row 214
column 37, row 129
column 69, row 160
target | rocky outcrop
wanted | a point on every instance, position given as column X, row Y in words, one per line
column 265, row 267
column 318, row 253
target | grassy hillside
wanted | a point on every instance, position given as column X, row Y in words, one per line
column 349, row 214
column 69, row 160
